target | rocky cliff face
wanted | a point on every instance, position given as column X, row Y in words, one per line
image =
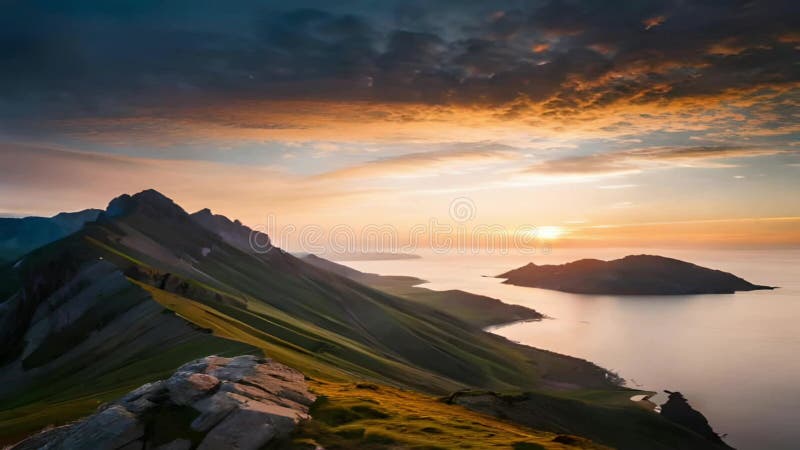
column 211, row 403
column 678, row 410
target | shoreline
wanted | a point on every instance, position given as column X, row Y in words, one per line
column 644, row 400
column 497, row 326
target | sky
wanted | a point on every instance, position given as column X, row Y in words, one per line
column 599, row 123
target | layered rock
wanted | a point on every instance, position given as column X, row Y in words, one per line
column 211, row 403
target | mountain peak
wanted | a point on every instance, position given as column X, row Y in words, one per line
column 205, row 212
column 148, row 202
column 232, row 231
column 152, row 196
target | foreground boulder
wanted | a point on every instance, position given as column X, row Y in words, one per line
column 211, row 403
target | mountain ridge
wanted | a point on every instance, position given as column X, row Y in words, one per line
column 133, row 237
column 145, row 288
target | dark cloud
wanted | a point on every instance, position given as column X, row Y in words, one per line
column 100, row 59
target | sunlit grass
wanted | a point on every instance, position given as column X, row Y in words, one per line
column 373, row 416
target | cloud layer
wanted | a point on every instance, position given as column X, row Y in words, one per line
column 636, row 160
column 529, row 61
column 356, row 110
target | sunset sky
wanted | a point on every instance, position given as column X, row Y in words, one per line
column 620, row 123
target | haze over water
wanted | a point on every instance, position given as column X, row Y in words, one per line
column 733, row 356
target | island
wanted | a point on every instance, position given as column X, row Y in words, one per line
column 631, row 275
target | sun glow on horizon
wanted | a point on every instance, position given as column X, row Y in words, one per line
column 549, row 232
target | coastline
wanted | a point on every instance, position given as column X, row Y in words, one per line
column 494, row 327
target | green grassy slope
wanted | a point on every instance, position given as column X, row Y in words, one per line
column 360, row 326
column 221, row 299
column 477, row 310
column 369, row 416
column 379, row 335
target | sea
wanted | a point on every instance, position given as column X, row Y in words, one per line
column 736, row 357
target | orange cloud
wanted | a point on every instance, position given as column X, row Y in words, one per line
column 734, row 46
column 597, row 108
column 792, row 37
column 426, row 163
column 652, row 22
column 540, row 48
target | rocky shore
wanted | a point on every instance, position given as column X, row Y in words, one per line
column 678, row 410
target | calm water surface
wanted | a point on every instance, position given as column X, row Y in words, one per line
column 736, row 357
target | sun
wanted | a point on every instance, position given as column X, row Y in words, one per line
column 549, row 232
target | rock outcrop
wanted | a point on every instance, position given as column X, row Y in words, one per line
column 211, row 403
column 678, row 410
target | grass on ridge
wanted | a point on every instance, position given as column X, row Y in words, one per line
column 367, row 415
column 370, row 416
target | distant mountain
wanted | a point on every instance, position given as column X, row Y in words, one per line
column 474, row 309
column 19, row 236
column 631, row 275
